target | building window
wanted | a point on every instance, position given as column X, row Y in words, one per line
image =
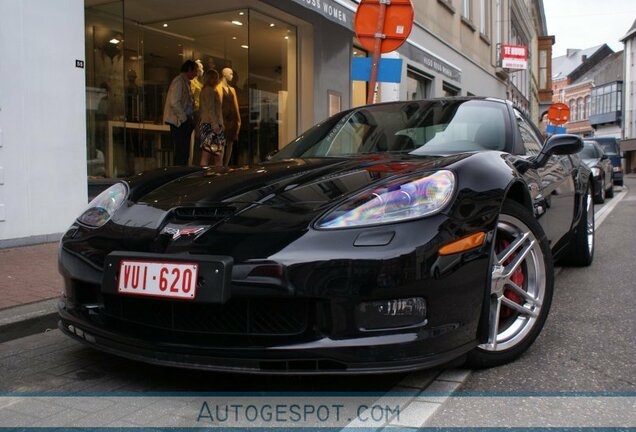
column 543, row 69
column 587, row 105
column 450, row 90
column 572, row 110
column 466, row 9
column 519, row 78
column 418, row 85
column 579, row 109
column 484, row 16
column 607, row 98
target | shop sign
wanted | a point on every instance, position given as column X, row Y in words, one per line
column 514, row 56
column 330, row 10
column 431, row 61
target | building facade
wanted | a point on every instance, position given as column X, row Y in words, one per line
column 628, row 145
column 574, row 77
column 291, row 63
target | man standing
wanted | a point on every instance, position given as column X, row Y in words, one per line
column 179, row 110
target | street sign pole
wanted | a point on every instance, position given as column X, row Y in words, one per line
column 379, row 36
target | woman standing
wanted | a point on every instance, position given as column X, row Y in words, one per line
column 211, row 127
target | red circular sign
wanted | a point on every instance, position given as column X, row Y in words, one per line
column 558, row 113
column 396, row 26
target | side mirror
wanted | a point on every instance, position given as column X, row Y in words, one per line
column 559, row 145
column 604, row 157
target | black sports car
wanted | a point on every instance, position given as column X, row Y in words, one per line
column 603, row 183
column 389, row 237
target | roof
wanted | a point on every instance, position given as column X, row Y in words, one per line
column 608, row 69
column 564, row 65
column 630, row 33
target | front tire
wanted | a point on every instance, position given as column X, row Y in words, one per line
column 521, row 286
column 599, row 195
column 609, row 193
column 580, row 253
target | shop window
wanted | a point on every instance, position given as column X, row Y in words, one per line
column 449, row 90
column 128, row 82
column 359, row 89
column 418, row 85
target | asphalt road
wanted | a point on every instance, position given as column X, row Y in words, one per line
column 587, row 346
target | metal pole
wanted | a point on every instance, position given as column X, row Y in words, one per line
column 379, row 36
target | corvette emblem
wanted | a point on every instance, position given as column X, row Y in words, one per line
column 182, row 232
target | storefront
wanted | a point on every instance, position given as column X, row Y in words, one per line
column 285, row 80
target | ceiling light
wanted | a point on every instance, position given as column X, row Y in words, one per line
column 286, row 37
column 114, row 41
column 238, row 23
column 165, row 24
column 272, row 25
column 244, row 46
column 241, row 13
column 233, row 37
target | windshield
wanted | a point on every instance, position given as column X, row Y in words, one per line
column 589, row 151
column 419, row 128
column 609, row 148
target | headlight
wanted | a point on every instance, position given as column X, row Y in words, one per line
column 596, row 171
column 398, row 200
column 102, row 208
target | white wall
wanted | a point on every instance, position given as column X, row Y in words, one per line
column 42, row 118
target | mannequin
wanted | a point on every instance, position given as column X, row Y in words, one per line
column 231, row 114
column 196, row 85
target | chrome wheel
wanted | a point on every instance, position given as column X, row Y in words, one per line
column 518, row 285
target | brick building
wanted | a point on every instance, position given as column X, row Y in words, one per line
column 572, row 85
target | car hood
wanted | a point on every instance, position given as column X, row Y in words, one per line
column 252, row 212
column 591, row 162
column 307, row 182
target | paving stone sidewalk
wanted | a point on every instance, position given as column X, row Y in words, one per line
column 29, row 274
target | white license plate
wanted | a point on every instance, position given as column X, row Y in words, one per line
column 158, row 279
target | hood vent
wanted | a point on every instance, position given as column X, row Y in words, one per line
column 203, row 213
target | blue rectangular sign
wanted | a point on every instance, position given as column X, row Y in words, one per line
column 555, row 130
column 389, row 69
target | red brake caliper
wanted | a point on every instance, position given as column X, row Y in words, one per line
column 517, row 277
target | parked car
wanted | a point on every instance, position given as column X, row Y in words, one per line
column 612, row 149
column 602, row 184
column 388, row 237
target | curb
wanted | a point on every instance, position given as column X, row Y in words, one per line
column 26, row 320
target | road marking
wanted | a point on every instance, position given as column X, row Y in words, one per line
column 463, row 374
column 602, row 214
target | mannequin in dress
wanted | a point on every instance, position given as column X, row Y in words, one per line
column 231, row 114
column 197, row 85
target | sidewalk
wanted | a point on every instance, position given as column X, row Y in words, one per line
column 29, row 274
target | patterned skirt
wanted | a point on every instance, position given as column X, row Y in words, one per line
column 211, row 142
